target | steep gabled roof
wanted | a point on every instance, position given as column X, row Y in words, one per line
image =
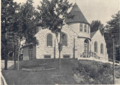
column 92, row 34
column 78, row 16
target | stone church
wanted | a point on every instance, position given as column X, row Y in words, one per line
column 78, row 42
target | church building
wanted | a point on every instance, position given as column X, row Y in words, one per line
column 78, row 42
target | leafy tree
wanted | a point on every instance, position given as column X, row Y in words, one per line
column 113, row 26
column 97, row 25
column 117, row 54
column 25, row 24
column 113, row 32
column 52, row 15
column 21, row 21
column 7, row 14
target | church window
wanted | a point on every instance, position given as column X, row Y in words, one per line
column 85, row 28
column 49, row 40
column 81, row 27
column 64, row 39
column 101, row 48
column 95, row 47
column 88, row 29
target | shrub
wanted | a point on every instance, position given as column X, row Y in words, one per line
column 106, row 65
column 88, row 70
column 99, row 72
column 94, row 72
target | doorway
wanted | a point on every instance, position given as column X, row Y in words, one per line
column 86, row 47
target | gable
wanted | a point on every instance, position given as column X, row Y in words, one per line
column 92, row 34
column 98, row 37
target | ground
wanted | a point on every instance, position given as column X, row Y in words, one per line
column 73, row 71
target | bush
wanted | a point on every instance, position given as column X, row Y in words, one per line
column 106, row 65
column 100, row 72
column 88, row 70
column 94, row 72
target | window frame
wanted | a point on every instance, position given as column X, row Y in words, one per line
column 85, row 28
column 81, row 27
column 102, row 48
column 48, row 35
column 88, row 29
column 95, row 46
column 66, row 41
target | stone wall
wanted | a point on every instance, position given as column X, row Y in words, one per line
column 42, row 48
column 100, row 39
column 72, row 33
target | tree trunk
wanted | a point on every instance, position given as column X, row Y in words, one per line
column 19, row 41
column 6, row 60
column 14, row 57
column 59, row 59
column 6, row 56
column 60, row 49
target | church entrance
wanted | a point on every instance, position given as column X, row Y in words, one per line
column 86, row 47
column 30, row 52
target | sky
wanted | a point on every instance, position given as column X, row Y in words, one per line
column 92, row 9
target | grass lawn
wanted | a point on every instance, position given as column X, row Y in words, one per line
column 62, row 76
column 65, row 75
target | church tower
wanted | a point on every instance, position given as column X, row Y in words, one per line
column 78, row 23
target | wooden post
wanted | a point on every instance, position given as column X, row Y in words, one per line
column 113, row 62
column 119, row 34
column 54, row 49
column 74, row 48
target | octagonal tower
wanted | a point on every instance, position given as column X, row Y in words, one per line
column 78, row 23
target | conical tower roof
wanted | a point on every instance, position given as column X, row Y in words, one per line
column 78, row 16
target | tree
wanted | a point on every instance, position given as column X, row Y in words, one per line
column 52, row 14
column 97, row 25
column 21, row 21
column 113, row 26
column 117, row 53
column 25, row 24
column 7, row 14
column 113, row 32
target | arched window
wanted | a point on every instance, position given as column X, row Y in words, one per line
column 81, row 27
column 49, row 40
column 95, row 47
column 64, row 39
column 101, row 48
column 85, row 28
